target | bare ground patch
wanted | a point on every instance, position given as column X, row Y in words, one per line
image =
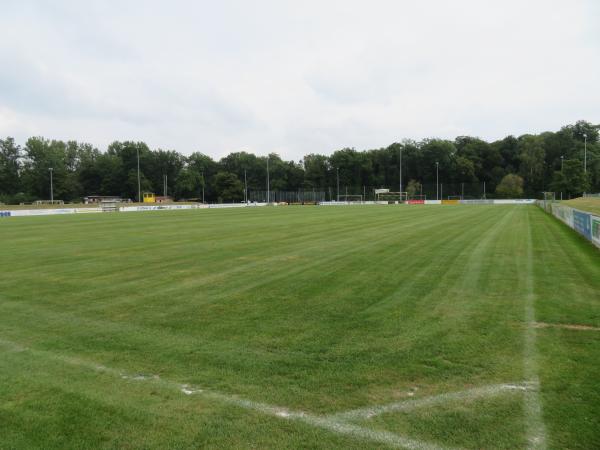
column 565, row 326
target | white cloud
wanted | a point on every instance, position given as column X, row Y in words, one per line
column 295, row 77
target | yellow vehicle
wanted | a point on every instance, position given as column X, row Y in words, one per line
column 149, row 197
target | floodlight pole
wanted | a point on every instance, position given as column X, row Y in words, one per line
column 585, row 153
column 268, row 183
column 138, row 176
column 561, row 163
column 584, row 156
column 400, row 173
column 437, row 181
column 245, row 187
column 337, row 170
column 51, row 187
column 203, row 187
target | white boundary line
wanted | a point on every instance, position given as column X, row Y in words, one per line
column 536, row 429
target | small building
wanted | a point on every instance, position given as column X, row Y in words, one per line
column 163, row 199
column 101, row 198
column 149, row 197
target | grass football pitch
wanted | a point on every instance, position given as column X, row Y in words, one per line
column 299, row 327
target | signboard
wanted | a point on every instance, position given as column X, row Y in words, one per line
column 564, row 213
column 581, row 223
column 515, row 201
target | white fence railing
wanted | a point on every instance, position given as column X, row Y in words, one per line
column 167, row 207
column 442, row 202
column 47, row 212
column 138, row 208
column 585, row 223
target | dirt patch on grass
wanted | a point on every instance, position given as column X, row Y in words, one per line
column 565, row 326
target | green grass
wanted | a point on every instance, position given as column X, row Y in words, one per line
column 317, row 310
column 590, row 204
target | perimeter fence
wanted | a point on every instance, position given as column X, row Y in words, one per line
column 585, row 223
column 429, row 191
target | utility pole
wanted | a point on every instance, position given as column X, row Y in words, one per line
column 337, row 169
column 138, row 176
column 51, row 187
column 437, row 181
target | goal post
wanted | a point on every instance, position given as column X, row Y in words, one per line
column 351, row 198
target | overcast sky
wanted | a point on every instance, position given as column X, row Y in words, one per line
column 295, row 77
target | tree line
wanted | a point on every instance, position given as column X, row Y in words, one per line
column 514, row 166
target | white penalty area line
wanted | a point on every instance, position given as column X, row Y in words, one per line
column 409, row 405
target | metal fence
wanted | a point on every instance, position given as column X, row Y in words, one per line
column 429, row 191
column 464, row 191
column 300, row 196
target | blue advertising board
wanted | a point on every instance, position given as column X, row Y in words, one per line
column 582, row 223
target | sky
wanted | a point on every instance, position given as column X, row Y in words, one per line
column 295, row 77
